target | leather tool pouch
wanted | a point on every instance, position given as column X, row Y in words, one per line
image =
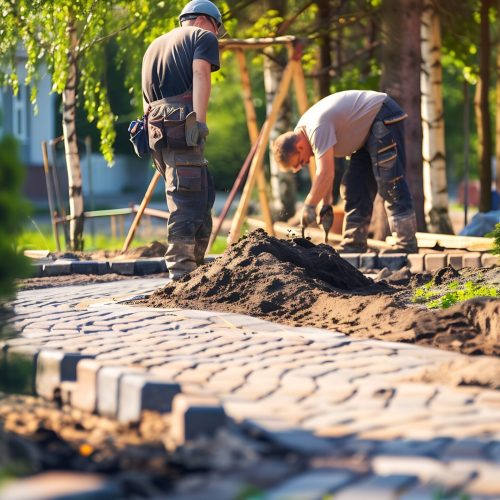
column 189, row 171
column 175, row 131
column 156, row 133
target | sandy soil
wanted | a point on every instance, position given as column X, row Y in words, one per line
column 296, row 282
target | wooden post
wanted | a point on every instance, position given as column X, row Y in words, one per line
column 138, row 215
column 260, row 152
column 299, row 84
column 49, row 194
column 253, row 132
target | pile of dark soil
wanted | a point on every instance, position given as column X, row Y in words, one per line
column 296, row 282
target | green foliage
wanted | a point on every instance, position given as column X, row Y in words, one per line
column 454, row 292
column 496, row 240
column 12, row 210
column 42, row 29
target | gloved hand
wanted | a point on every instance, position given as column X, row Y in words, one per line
column 308, row 216
column 202, row 131
column 326, row 219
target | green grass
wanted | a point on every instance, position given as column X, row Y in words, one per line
column 454, row 292
column 44, row 240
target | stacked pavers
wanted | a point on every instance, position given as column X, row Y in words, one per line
column 312, row 392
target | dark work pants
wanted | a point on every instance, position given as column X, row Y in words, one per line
column 379, row 166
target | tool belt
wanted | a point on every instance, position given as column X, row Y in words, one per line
column 172, row 122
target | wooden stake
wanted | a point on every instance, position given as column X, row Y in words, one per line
column 299, row 84
column 253, row 132
column 261, row 149
column 144, row 202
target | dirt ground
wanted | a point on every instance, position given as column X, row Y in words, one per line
column 298, row 283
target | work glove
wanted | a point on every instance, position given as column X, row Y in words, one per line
column 308, row 216
column 326, row 217
column 202, row 132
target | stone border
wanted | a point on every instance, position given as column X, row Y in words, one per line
column 417, row 263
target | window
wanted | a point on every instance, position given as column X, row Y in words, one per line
column 20, row 114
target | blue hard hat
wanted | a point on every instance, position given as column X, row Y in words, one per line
column 203, row 8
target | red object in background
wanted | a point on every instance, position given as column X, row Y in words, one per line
column 474, row 192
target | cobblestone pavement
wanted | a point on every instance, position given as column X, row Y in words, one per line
column 314, row 392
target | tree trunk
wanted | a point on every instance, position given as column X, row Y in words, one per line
column 482, row 111
column 324, row 45
column 497, row 142
column 433, row 144
column 400, row 56
column 283, row 184
column 71, row 147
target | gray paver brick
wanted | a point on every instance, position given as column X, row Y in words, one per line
column 416, row 262
column 196, row 416
column 378, row 488
column 434, row 261
column 140, row 392
column 472, row 259
column 312, row 485
column 394, row 261
column 54, row 367
column 352, row 258
column 108, row 388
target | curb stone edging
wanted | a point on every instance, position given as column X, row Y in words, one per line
column 369, row 260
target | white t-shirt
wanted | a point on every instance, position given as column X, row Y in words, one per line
column 341, row 120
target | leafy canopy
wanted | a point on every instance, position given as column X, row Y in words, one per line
column 38, row 31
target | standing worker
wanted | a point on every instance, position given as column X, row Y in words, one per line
column 369, row 127
column 176, row 85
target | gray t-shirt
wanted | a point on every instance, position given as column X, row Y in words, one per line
column 341, row 120
column 167, row 66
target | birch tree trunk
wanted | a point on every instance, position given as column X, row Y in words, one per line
column 433, row 143
column 283, row 184
column 71, row 147
column 482, row 110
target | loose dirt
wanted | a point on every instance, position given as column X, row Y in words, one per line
column 298, row 283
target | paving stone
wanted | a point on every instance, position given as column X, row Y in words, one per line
column 487, row 481
column 426, row 492
column 465, row 448
column 416, row 262
column 434, row 261
column 293, row 439
column 490, row 260
column 455, row 260
column 85, row 391
column 62, row 485
column 193, row 417
column 126, row 267
column 352, row 258
column 108, row 388
column 368, row 260
column 84, row 267
column 36, row 270
column 103, row 268
column 56, row 269
column 140, row 392
column 472, row 259
column 54, row 367
column 147, row 266
column 311, row 485
column 393, row 261
column 377, row 488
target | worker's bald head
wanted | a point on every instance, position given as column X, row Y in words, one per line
column 283, row 149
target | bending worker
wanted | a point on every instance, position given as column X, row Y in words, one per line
column 369, row 127
column 176, row 82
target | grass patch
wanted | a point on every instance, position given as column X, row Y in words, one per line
column 442, row 297
column 219, row 245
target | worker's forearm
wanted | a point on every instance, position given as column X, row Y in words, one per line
column 321, row 188
column 201, row 94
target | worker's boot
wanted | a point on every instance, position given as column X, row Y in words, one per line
column 180, row 259
column 405, row 228
column 200, row 247
column 354, row 239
